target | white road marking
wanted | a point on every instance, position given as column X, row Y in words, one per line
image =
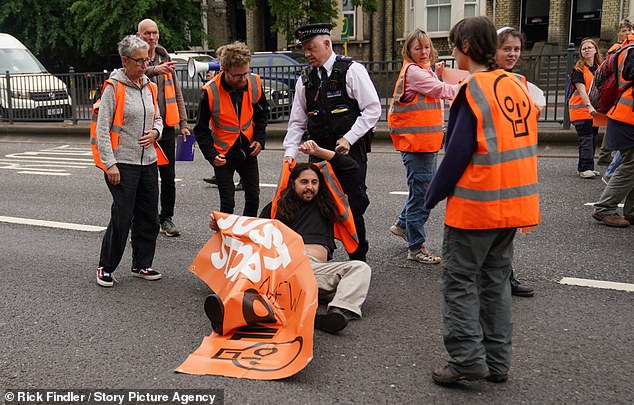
column 52, row 224
column 269, row 185
column 399, row 192
column 591, row 204
column 45, row 173
column 610, row 285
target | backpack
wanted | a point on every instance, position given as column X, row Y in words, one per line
column 604, row 91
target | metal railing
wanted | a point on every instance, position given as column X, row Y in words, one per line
column 69, row 96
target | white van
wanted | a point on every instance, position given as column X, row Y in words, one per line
column 33, row 93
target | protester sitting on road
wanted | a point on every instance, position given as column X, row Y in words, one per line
column 128, row 126
column 491, row 190
column 172, row 106
column 309, row 208
column 415, row 120
column 234, row 109
column 581, row 111
column 620, row 136
column 510, row 45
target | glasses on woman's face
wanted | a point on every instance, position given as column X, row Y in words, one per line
column 140, row 61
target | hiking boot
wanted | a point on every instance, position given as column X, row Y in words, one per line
column 332, row 321
column 587, row 174
column 145, row 273
column 104, row 279
column 398, row 231
column 611, row 219
column 169, row 229
column 423, row 256
column 447, row 375
column 497, row 378
column 519, row 290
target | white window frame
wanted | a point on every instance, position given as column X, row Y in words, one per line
column 438, row 6
column 353, row 14
column 419, row 12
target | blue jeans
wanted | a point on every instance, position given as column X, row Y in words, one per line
column 616, row 161
column 420, row 168
column 587, row 144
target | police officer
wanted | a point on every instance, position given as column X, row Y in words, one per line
column 337, row 106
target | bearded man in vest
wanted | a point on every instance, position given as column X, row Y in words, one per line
column 160, row 70
column 336, row 104
column 620, row 136
column 308, row 205
column 231, row 126
column 489, row 177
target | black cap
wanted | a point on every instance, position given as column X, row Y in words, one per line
column 306, row 32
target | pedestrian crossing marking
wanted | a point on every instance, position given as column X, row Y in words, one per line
column 610, row 285
column 52, row 224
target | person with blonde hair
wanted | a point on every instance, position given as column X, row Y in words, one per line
column 231, row 127
column 581, row 111
column 416, row 120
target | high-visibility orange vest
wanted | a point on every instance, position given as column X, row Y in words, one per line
column 576, row 106
column 172, row 117
column 224, row 122
column 498, row 189
column 415, row 126
column 623, row 111
column 117, row 122
column 344, row 229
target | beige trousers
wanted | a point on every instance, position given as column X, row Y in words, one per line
column 349, row 282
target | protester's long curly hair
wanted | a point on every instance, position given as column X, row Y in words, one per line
column 289, row 202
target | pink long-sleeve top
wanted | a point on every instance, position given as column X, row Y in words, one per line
column 424, row 81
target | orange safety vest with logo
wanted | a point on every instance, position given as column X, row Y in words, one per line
column 623, row 111
column 498, row 189
column 224, row 122
column 415, row 126
column 117, row 122
column 344, row 229
column 172, row 117
column 576, row 106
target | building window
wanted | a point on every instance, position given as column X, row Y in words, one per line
column 438, row 15
column 470, row 7
column 349, row 15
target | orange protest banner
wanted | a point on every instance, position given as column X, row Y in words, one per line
column 266, row 301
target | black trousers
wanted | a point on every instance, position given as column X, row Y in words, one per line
column 134, row 205
column 168, row 174
column 250, row 176
column 356, row 190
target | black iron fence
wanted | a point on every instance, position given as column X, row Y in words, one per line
column 69, row 96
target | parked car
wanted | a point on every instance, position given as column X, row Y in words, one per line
column 277, row 93
column 31, row 92
column 282, row 66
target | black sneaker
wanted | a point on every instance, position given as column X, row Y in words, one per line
column 104, row 279
column 169, row 229
column 146, row 273
column 331, row 322
column 210, row 180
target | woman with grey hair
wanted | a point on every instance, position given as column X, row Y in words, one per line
column 124, row 145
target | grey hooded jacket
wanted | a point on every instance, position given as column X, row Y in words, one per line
column 138, row 117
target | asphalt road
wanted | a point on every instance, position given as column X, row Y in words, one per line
column 60, row 330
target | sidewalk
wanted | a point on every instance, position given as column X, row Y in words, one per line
column 548, row 132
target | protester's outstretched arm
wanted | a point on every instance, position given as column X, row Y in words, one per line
column 312, row 149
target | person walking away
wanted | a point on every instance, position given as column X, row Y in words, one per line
column 161, row 71
column 415, row 120
column 620, row 136
column 125, row 148
column 491, row 190
column 231, row 127
column 581, row 111
column 336, row 104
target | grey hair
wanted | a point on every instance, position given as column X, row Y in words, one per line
column 131, row 43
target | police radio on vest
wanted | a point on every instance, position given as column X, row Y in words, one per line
column 194, row 67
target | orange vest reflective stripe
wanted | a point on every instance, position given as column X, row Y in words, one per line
column 415, row 126
column 224, row 122
column 117, row 122
column 576, row 107
column 623, row 111
column 344, row 229
column 498, row 189
column 172, row 117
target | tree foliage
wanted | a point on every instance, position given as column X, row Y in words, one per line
column 85, row 33
column 290, row 14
